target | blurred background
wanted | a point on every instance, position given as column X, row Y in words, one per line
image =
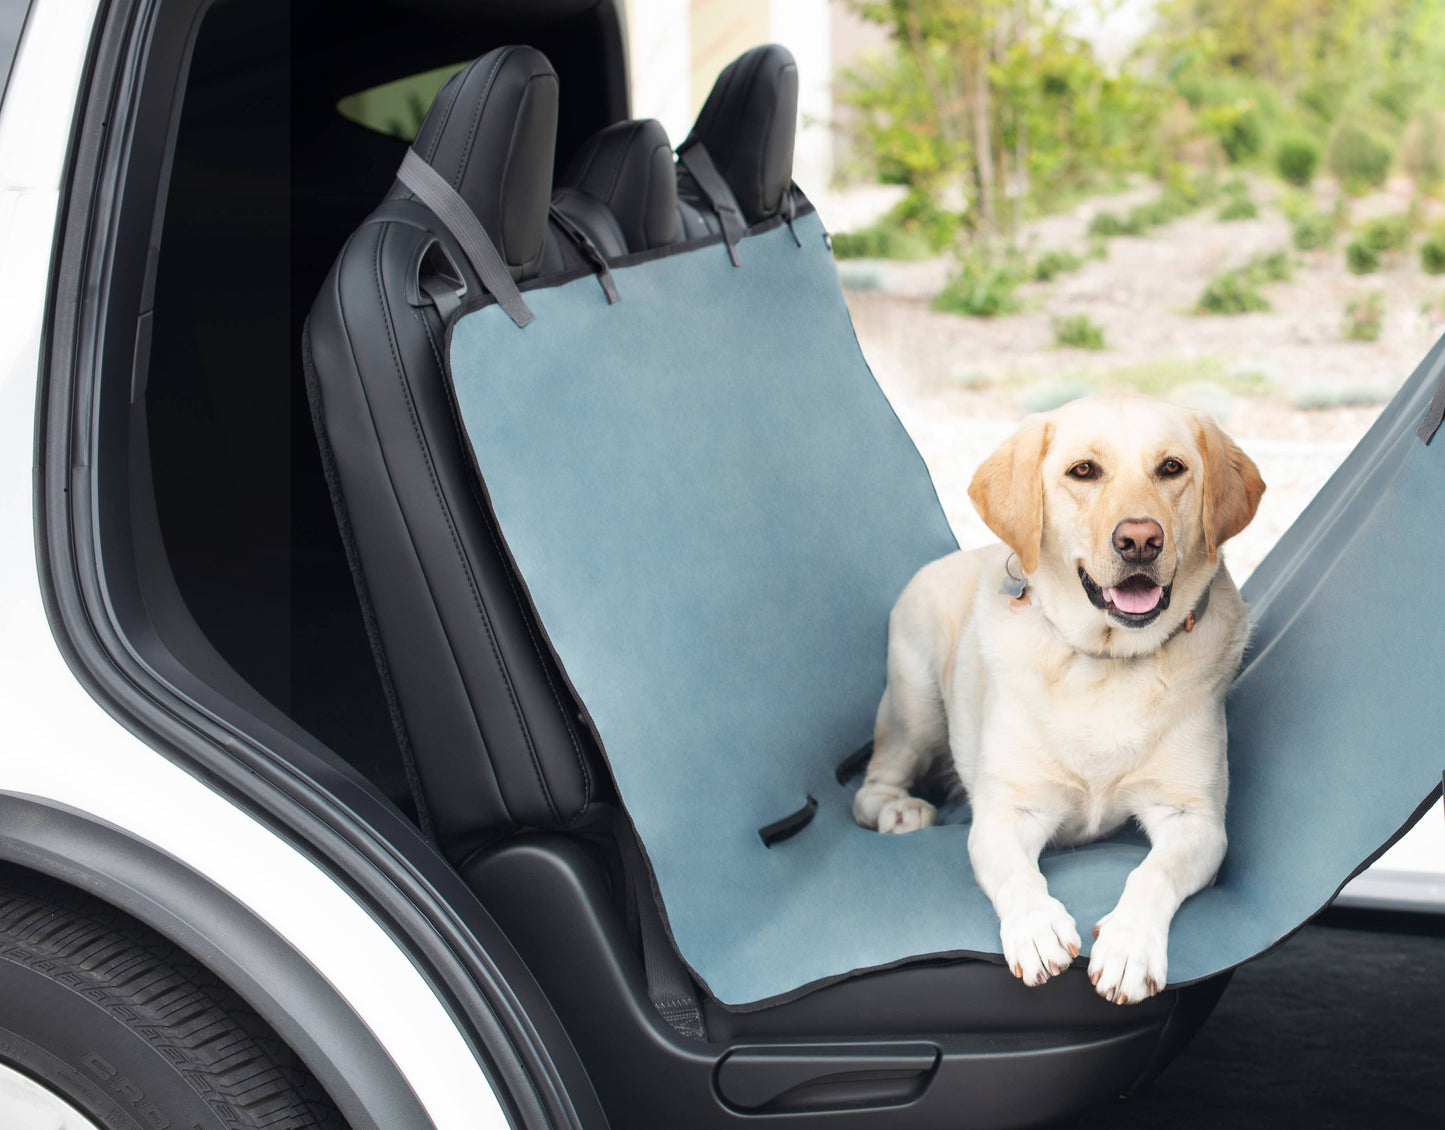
column 1238, row 204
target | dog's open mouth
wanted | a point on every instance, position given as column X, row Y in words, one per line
column 1135, row 601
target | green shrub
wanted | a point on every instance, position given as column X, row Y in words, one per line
column 1239, row 126
column 1238, row 208
column 1364, row 317
column 982, row 286
column 1359, row 158
column 1106, row 224
column 1432, row 254
column 918, row 212
column 1296, row 158
column 1314, row 230
column 881, row 241
column 1231, row 293
column 1052, row 263
column 1387, row 233
column 1274, row 267
column 1423, row 153
column 1078, row 332
column 1361, row 258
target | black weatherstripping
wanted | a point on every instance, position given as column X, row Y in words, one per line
column 103, row 614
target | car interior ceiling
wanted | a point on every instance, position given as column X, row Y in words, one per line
column 267, row 182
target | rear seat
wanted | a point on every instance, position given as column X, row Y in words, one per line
column 507, row 781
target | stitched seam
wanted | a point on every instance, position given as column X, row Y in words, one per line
column 526, row 620
column 436, row 490
column 372, row 416
column 451, row 105
column 477, row 116
column 647, row 195
column 506, row 169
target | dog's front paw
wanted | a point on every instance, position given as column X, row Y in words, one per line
column 1039, row 941
column 1130, row 958
column 906, row 814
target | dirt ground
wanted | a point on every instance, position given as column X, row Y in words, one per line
column 1285, row 383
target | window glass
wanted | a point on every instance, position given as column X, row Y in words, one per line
column 398, row 107
column 12, row 22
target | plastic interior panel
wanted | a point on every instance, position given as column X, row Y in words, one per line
column 713, row 508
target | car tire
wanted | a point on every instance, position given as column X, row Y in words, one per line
column 130, row 1030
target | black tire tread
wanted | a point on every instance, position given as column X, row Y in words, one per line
column 228, row 1054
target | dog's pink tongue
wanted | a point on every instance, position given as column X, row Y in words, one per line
column 1134, row 598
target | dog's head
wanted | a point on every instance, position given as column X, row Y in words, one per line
column 1116, row 507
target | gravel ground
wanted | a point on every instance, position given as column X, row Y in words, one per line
column 960, row 385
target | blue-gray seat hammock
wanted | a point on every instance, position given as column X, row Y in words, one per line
column 713, row 507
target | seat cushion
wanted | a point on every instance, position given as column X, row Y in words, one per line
column 713, row 508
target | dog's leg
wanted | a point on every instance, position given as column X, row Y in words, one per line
column 1039, row 935
column 910, row 733
column 1129, row 961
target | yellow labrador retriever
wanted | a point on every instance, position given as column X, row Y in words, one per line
column 1076, row 674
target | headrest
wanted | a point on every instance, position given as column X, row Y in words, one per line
column 491, row 133
column 622, row 187
column 747, row 125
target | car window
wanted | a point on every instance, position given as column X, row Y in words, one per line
column 397, row 108
column 12, row 22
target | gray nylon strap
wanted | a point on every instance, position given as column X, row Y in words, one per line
column 698, row 162
column 668, row 985
column 590, row 250
column 457, row 217
column 1434, row 413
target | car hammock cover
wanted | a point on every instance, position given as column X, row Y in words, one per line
column 713, row 507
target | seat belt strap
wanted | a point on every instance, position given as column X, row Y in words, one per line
column 669, row 986
column 696, row 160
column 590, row 250
column 432, row 189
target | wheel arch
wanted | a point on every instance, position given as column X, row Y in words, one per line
column 228, row 938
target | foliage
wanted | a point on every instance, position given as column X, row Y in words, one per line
column 1055, row 262
column 1231, row 293
column 982, row 286
column 1078, row 332
column 1296, row 158
column 1365, row 317
column 915, row 228
column 1423, row 151
column 1238, row 208
column 1107, row 225
column 1361, row 258
column 1237, row 291
column 1359, row 157
column 880, row 241
column 1432, row 254
column 1386, row 233
column 997, row 100
column 1314, row 230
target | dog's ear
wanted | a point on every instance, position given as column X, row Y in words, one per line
column 1232, row 485
column 1008, row 491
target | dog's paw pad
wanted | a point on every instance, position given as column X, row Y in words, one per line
column 1040, row 941
column 1130, row 959
column 906, row 814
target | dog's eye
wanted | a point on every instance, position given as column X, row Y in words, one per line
column 1170, row 468
column 1084, row 470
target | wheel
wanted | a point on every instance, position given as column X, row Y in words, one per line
column 128, row 1030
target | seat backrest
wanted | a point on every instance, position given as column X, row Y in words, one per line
column 488, row 729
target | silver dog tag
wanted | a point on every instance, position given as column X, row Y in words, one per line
column 1014, row 587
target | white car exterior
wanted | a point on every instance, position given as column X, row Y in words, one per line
column 59, row 744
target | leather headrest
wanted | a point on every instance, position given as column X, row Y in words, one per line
column 491, row 133
column 747, row 125
column 626, row 168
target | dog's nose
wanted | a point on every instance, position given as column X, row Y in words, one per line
column 1138, row 539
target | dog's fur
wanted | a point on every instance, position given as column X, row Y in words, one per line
column 1064, row 719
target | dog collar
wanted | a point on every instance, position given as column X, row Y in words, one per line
column 1017, row 591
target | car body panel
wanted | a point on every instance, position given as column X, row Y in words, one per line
column 59, row 744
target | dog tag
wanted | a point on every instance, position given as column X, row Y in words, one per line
column 1013, row 587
